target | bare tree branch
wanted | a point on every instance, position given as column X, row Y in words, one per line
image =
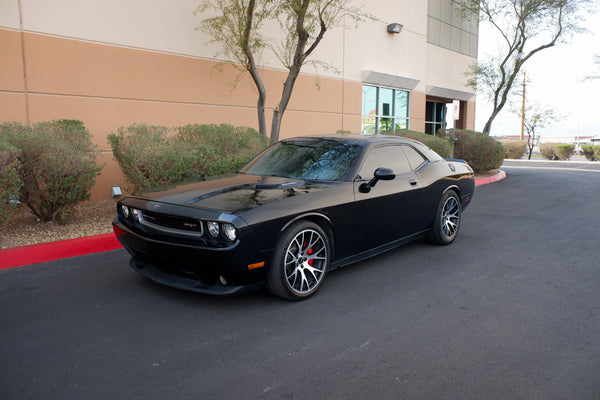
column 237, row 24
column 525, row 27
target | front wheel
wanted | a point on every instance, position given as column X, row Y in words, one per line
column 447, row 220
column 300, row 261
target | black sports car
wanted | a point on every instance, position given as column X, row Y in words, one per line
column 302, row 207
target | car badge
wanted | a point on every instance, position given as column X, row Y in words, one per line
column 156, row 206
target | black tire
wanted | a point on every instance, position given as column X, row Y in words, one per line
column 447, row 220
column 300, row 261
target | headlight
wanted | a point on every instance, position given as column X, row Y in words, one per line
column 229, row 232
column 136, row 214
column 125, row 211
column 213, row 228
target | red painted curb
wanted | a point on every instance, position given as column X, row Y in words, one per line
column 39, row 253
column 484, row 181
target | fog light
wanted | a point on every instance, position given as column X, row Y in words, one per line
column 125, row 211
column 213, row 228
column 229, row 232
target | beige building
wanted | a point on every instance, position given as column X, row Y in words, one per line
column 112, row 63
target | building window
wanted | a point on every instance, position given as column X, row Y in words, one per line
column 384, row 110
column 447, row 28
column 435, row 116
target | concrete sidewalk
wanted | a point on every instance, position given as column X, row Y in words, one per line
column 577, row 164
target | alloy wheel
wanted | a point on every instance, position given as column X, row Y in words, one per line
column 305, row 261
column 450, row 218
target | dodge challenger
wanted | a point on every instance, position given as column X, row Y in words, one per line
column 299, row 209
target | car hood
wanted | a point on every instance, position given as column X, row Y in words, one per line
column 235, row 193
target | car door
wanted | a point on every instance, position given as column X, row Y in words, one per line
column 389, row 211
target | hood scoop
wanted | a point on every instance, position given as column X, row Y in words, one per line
column 286, row 185
column 257, row 186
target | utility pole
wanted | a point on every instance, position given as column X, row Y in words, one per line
column 523, row 108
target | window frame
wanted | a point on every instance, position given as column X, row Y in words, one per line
column 435, row 123
column 379, row 117
column 402, row 147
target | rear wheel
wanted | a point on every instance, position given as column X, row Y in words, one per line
column 300, row 261
column 447, row 220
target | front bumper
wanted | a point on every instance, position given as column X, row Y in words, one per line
column 194, row 268
column 159, row 275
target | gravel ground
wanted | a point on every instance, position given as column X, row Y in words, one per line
column 23, row 228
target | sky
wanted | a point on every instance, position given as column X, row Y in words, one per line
column 556, row 81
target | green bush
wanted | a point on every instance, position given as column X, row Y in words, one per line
column 588, row 151
column 564, row 151
column 482, row 152
column 10, row 183
column 514, row 148
column 439, row 145
column 591, row 152
column 152, row 156
column 222, row 148
column 57, row 165
column 548, row 151
column 597, row 152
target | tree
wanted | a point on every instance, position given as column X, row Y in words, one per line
column 237, row 26
column 525, row 27
column 536, row 117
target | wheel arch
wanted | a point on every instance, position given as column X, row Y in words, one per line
column 320, row 219
column 455, row 188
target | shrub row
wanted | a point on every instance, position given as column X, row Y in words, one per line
column 439, row 145
column 590, row 152
column 482, row 152
column 557, row 151
column 50, row 166
column 514, row 148
column 10, row 183
column 155, row 155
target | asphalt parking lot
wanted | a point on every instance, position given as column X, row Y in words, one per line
column 509, row 311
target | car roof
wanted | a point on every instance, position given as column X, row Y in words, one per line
column 361, row 140
column 373, row 140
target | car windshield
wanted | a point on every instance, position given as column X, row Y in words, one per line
column 311, row 159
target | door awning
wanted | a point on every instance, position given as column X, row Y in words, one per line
column 450, row 94
column 394, row 81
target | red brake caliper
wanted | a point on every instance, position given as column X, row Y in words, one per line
column 309, row 252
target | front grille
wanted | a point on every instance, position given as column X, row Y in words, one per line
column 171, row 223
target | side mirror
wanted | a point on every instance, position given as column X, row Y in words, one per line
column 384, row 174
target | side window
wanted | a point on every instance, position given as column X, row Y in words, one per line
column 415, row 159
column 388, row 157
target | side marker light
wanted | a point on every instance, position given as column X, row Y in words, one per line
column 257, row 265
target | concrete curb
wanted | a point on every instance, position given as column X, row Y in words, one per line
column 43, row 252
column 490, row 179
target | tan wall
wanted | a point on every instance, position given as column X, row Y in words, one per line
column 108, row 87
column 417, row 111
